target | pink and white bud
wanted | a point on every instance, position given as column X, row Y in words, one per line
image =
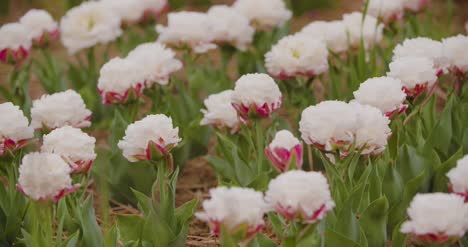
column 15, row 131
column 300, row 196
column 89, row 24
column 436, row 218
column 45, row 177
column 455, row 50
column 373, row 131
column 157, row 63
column 15, row 43
column 230, row 27
column 42, row 27
column 120, row 80
column 187, row 29
column 384, row 93
column 264, row 14
column 333, row 32
column 370, row 30
column 458, row 178
column 423, row 47
column 416, row 73
column 297, row 55
column 60, row 109
column 285, row 151
column 236, row 210
column 415, row 6
column 151, row 138
column 256, row 95
column 329, row 126
column 73, row 145
column 220, row 112
column 387, row 11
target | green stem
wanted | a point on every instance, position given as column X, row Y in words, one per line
column 42, row 223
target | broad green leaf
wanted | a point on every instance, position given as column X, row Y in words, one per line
column 334, row 239
column 130, row 227
column 374, row 222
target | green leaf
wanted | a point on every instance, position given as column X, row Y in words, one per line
column 130, row 227
column 335, row 239
column 441, row 180
column 374, row 222
column 112, row 238
column 398, row 238
column 392, row 186
column 90, row 229
column 347, row 223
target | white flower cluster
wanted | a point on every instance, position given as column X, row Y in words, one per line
column 384, row 93
column 437, row 215
column 14, row 128
column 123, row 78
column 336, row 125
column 296, row 55
column 454, row 49
column 230, row 27
column 232, row 208
column 89, row 24
column 458, row 178
column 256, row 94
column 73, row 145
column 187, row 29
column 219, row 111
column 60, row 109
column 264, row 14
column 135, row 10
column 388, row 11
column 40, row 23
column 333, row 32
column 153, row 131
column 369, row 30
column 300, row 195
column 44, row 176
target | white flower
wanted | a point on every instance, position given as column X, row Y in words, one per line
column 329, row 125
column 127, row 10
column 117, row 78
column 437, row 215
column 157, row 62
column 87, row 25
column 15, row 36
column 389, row 11
column 14, row 128
column 458, row 178
column 297, row 55
column 284, row 139
column 300, row 195
column 416, row 74
column 60, row 109
column 230, row 27
column 264, row 14
column 384, row 93
column 333, row 32
column 39, row 22
column 372, row 130
column 152, row 132
column 219, row 111
column 371, row 31
column 190, row 29
column 415, row 5
column 455, row 50
column 422, row 47
column 231, row 208
column 283, row 150
column 73, row 145
column 256, row 94
column 44, row 176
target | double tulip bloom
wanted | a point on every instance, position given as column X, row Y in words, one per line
column 455, row 51
column 15, row 43
column 15, row 131
column 45, row 177
column 458, row 178
column 255, row 95
column 151, row 138
column 300, row 196
column 235, row 211
column 219, row 111
column 285, row 151
column 264, row 14
column 74, row 146
column 387, row 11
column 436, row 218
column 42, row 27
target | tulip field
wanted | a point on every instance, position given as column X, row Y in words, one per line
column 234, row 123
